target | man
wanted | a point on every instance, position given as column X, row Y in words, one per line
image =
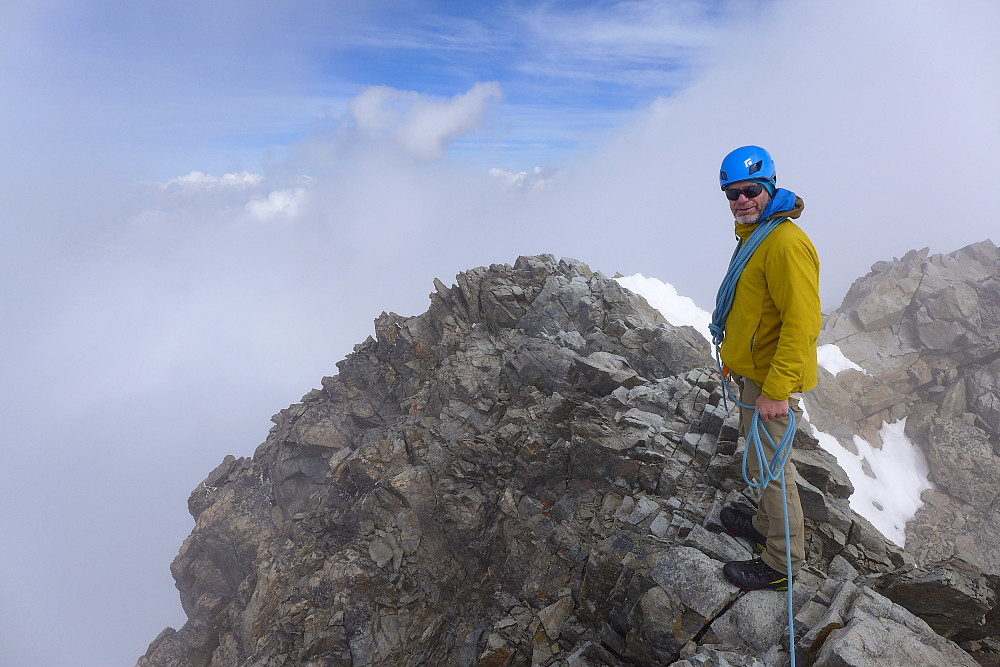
column 768, row 342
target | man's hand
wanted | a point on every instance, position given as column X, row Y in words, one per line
column 770, row 408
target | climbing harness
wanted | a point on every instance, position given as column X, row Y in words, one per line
column 775, row 468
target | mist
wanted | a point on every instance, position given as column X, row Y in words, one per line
column 162, row 303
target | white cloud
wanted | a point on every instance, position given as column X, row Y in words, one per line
column 198, row 180
column 283, row 203
column 908, row 97
column 422, row 125
column 640, row 27
column 535, row 179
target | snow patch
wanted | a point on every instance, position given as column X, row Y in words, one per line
column 890, row 498
column 832, row 359
column 676, row 309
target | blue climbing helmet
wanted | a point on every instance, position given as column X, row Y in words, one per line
column 748, row 163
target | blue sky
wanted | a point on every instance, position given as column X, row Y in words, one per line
column 217, row 84
column 205, row 205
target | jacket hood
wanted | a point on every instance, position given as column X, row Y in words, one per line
column 785, row 204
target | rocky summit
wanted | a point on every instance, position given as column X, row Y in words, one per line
column 531, row 473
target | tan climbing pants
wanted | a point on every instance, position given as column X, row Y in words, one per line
column 770, row 518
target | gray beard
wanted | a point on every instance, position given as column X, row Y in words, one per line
column 748, row 219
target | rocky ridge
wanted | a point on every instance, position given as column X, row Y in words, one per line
column 531, row 473
column 926, row 328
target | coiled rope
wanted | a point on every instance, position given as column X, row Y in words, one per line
column 768, row 472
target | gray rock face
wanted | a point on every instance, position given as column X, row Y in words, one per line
column 962, row 462
column 878, row 633
column 927, row 329
column 529, row 473
column 953, row 598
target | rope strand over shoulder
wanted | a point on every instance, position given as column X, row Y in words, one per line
column 783, row 200
column 742, row 254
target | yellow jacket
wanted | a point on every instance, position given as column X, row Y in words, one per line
column 775, row 318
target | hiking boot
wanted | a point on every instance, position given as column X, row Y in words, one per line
column 753, row 575
column 740, row 524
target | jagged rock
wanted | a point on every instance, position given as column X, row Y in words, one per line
column 926, row 328
column 693, row 579
column 721, row 547
column 603, row 372
column 757, row 621
column 554, row 616
column 531, row 472
column 951, row 601
column 712, row 657
column 820, row 469
column 945, row 528
column 824, row 508
column 962, row 462
column 878, row 633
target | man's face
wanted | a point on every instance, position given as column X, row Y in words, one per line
column 747, row 211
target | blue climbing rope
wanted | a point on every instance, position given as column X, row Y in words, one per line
column 767, row 473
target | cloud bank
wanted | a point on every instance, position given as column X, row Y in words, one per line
column 158, row 321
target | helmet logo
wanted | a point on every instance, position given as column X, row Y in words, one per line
column 748, row 162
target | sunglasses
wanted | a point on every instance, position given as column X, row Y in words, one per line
column 750, row 191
